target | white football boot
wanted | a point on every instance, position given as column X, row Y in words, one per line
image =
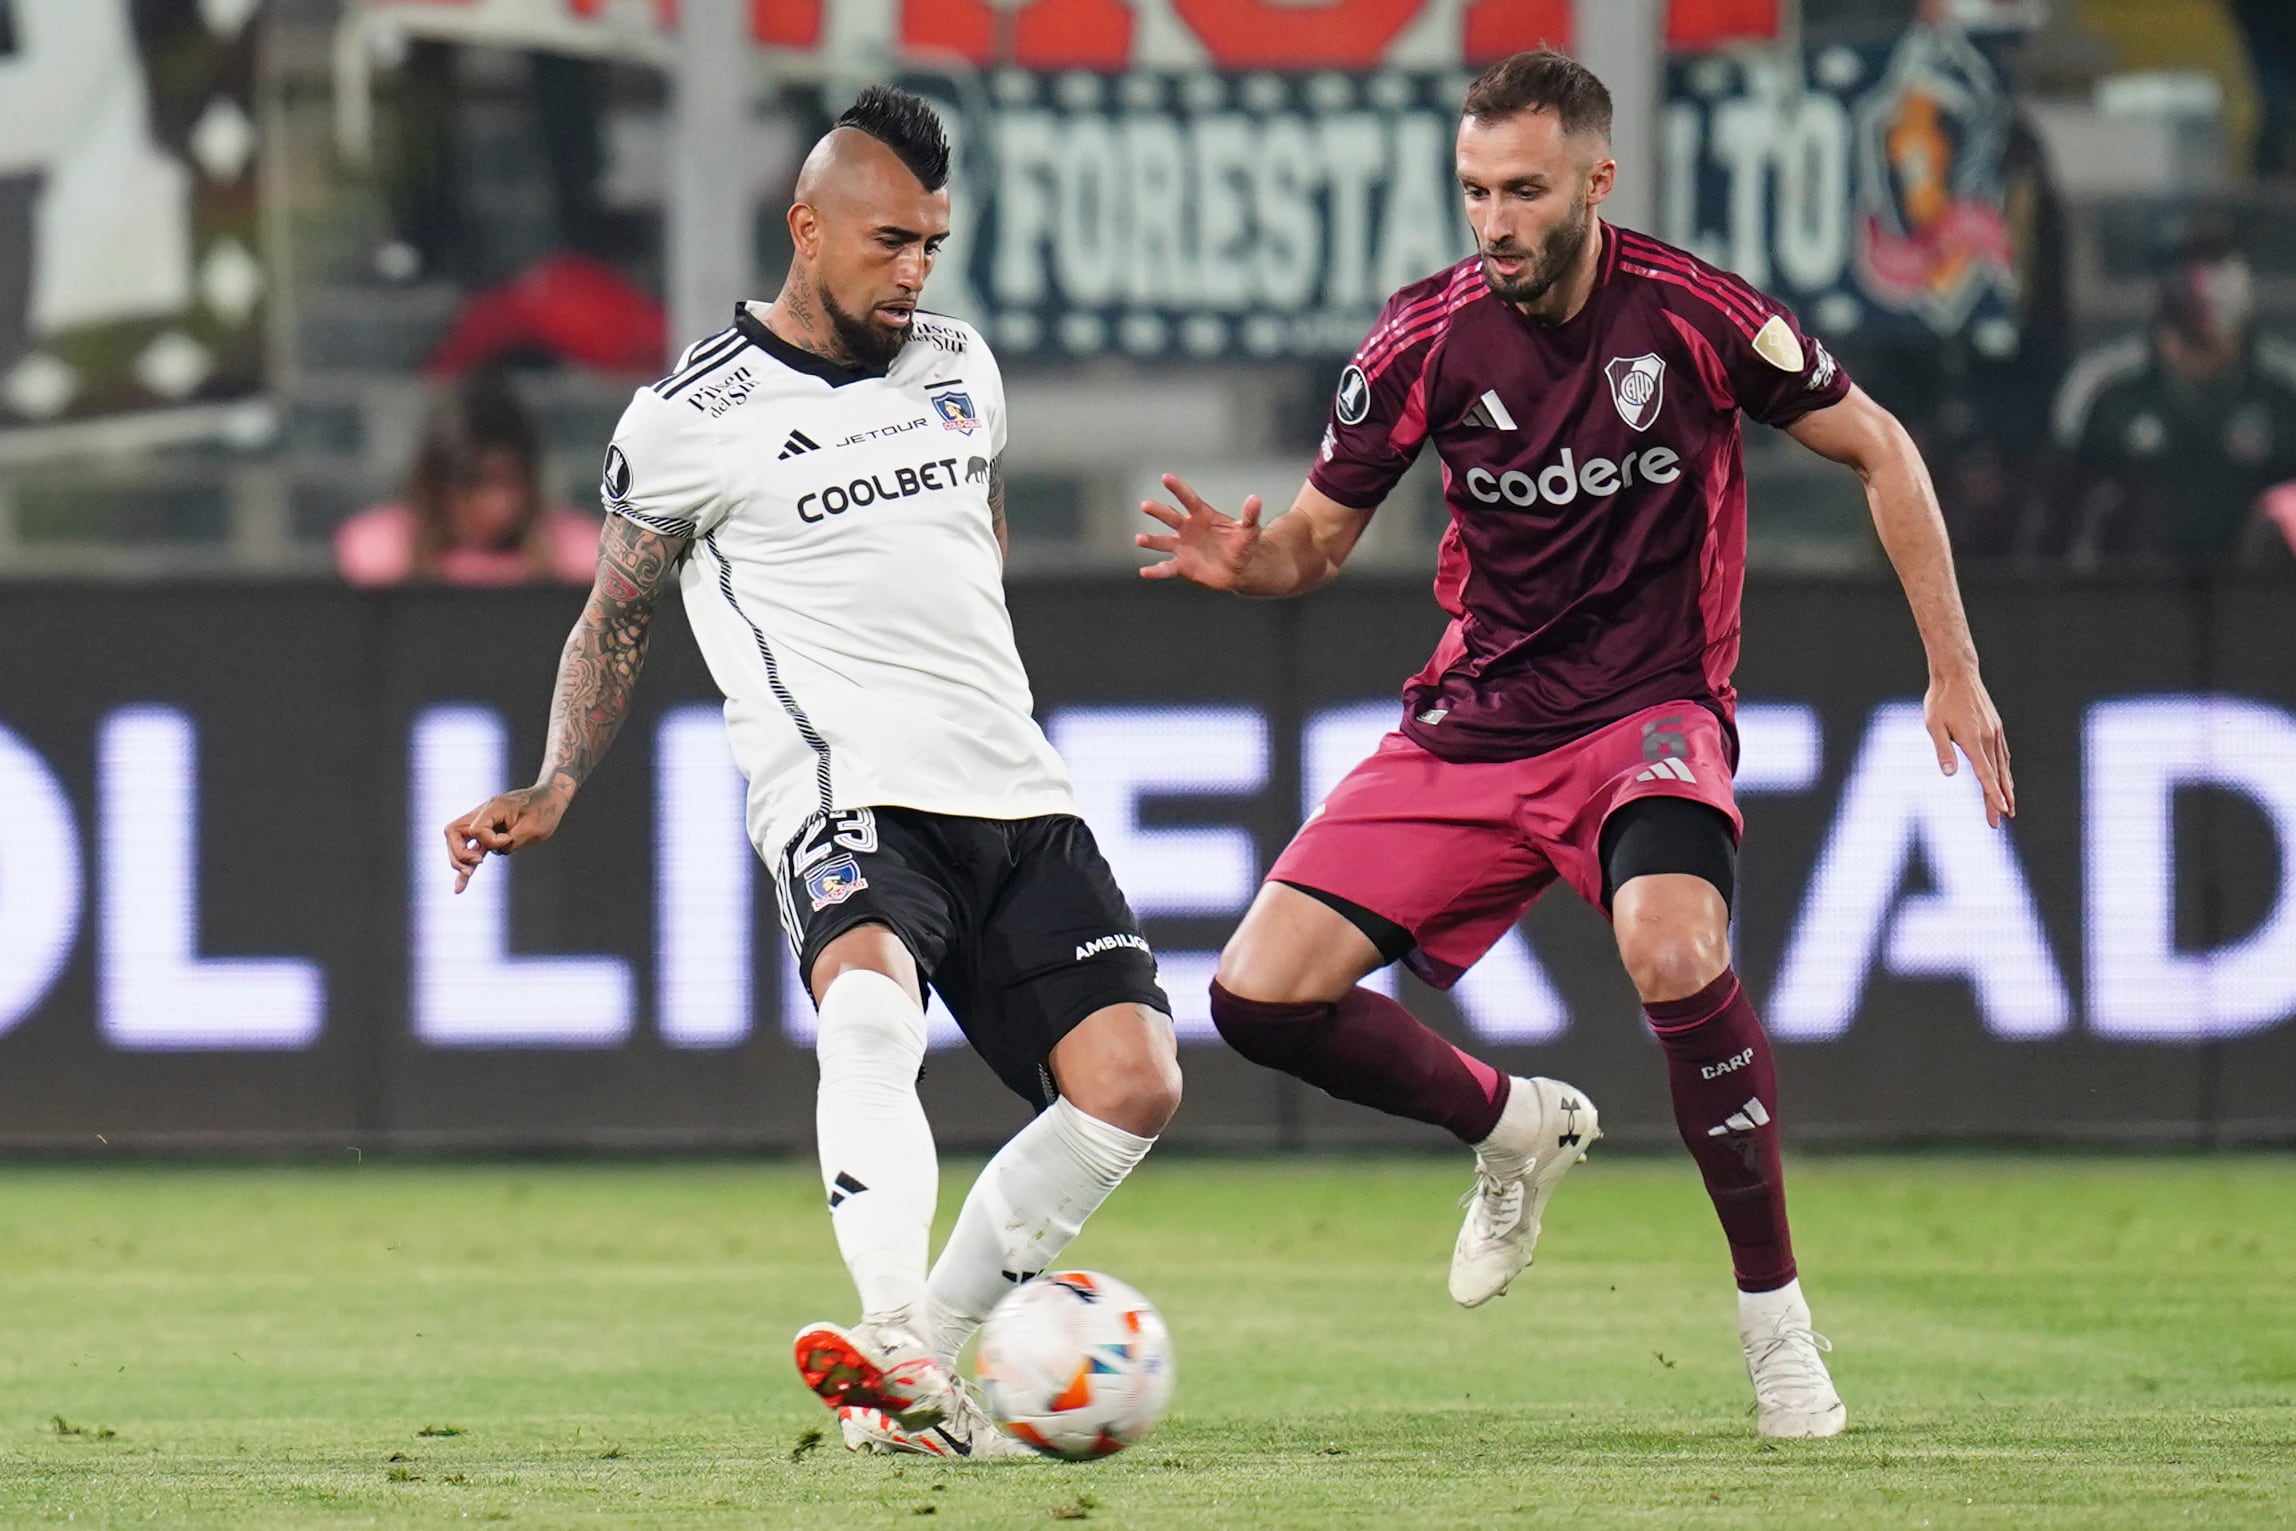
column 1793, row 1393
column 965, row 1434
column 1546, row 1128
column 877, row 1365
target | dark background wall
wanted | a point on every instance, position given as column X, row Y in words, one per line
column 2121, row 963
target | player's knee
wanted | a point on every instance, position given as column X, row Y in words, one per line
column 1270, row 972
column 1672, row 961
column 867, row 1015
column 867, row 948
column 1271, row 1033
column 1152, row 1094
column 1138, row 1090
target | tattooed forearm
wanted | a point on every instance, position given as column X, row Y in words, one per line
column 600, row 664
column 996, row 503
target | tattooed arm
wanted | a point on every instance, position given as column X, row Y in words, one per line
column 996, row 504
column 596, row 674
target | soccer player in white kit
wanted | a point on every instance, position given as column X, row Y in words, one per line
column 823, row 481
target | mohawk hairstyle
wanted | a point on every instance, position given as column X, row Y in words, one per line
column 1542, row 80
column 903, row 122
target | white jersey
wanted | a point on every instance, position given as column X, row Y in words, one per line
column 844, row 581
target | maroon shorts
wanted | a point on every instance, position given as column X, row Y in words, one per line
column 1455, row 852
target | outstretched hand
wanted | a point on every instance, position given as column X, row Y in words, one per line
column 1206, row 546
column 501, row 825
column 1957, row 711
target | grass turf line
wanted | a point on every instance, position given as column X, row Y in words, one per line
column 2023, row 1342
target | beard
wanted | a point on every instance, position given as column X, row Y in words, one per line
column 871, row 345
column 1548, row 263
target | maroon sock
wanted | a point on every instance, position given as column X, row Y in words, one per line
column 1370, row 1050
column 1725, row 1091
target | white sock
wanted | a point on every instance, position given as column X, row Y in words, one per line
column 877, row 1164
column 1515, row 1139
column 1029, row 1202
column 1766, row 1310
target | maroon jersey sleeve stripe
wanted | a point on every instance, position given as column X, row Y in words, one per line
column 1376, row 359
column 1411, row 425
column 1383, row 338
column 1691, row 284
column 1408, row 315
column 1432, row 327
column 1750, row 311
column 1399, row 331
column 1732, row 297
column 1641, row 247
column 1706, row 361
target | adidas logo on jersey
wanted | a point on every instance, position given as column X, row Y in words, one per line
column 798, row 445
column 1489, row 413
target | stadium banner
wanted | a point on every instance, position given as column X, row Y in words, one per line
column 1865, row 186
column 1197, row 179
column 132, row 277
column 1250, row 215
column 1294, row 35
column 1195, row 215
column 227, row 920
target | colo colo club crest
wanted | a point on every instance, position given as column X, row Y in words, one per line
column 955, row 408
column 1637, row 387
column 834, row 881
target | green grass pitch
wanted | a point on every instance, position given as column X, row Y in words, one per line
column 2023, row 1342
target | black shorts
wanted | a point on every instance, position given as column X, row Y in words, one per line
column 1017, row 924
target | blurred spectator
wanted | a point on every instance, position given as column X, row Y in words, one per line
column 2175, row 440
column 474, row 512
column 2271, row 29
column 1981, row 411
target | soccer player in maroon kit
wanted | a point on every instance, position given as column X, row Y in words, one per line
column 1582, row 385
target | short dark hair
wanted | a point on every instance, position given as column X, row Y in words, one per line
column 479, row 416
column 905, row 123
column 1542, row 80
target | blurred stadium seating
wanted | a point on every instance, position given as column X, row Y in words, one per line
column 2142, row 115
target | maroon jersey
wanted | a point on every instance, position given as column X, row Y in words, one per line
column 1597, row 546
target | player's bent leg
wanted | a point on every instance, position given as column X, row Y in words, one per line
column 1121, row 1065
column 1673, row 938
column 1118, row 1073
column 1286, row 997
column 880, row 1175
column 1294, row 947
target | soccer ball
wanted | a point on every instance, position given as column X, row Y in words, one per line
column 1076, row 1364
